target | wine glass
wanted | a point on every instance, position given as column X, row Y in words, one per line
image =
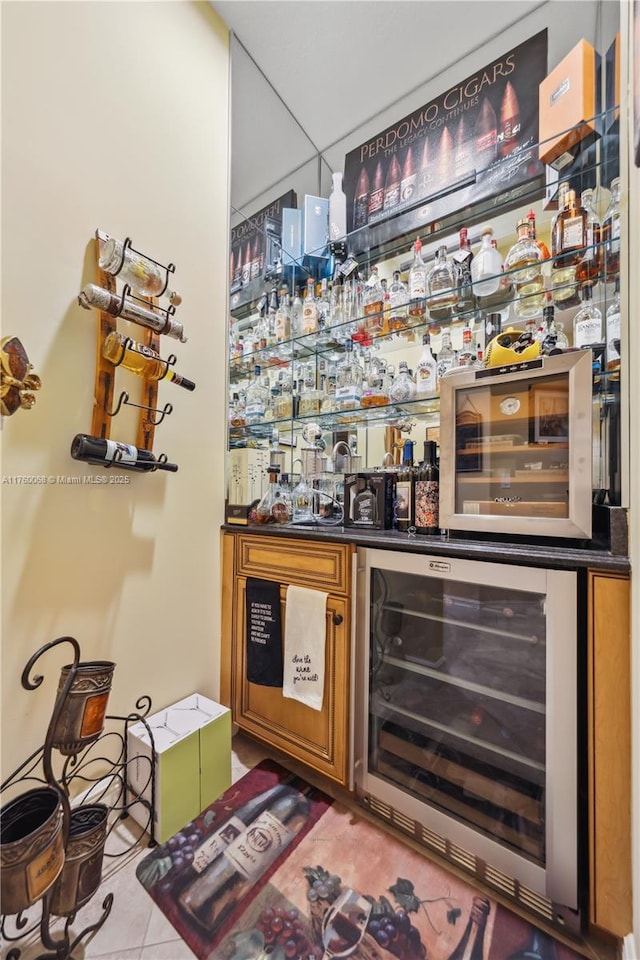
column 344, row 925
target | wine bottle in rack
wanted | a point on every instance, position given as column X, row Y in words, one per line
column 112, row 453
column 134, row 356
column 126, row 307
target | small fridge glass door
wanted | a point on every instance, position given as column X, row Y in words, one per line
column 462, row 669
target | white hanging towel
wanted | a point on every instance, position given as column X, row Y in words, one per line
column 305, row 632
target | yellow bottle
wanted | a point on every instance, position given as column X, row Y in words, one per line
column 134, row 356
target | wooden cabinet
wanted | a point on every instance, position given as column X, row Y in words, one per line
column 319, row 739
column 609, row 739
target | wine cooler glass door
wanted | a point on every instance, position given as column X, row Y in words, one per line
column 471, row 708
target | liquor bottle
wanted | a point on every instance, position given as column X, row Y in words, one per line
column 462, row 151
column 486, row 133
column 372, row 303
column 417, row 283
column 427, row 492
column 611, row 232
column 107, row 453
column 392, row 184
column 144, row 276
column 590, row 265
column 309, row 310
column 323, row 303
column 471, row 945
column 426, row 371
column 274, row 303
column 492, row 327
column 364, row 510
column 361, row 200
column 257, row 398
column 442, row 287
column 443, row 160
column 403, row 388
column 398, row 298
column 348, row 380
column 337, row 208
column 613, row 330
column 466, row 354
column 463, row 260
column 236, row 413
column 446, row 358
column 554, row 339
column 587, row 323
column 404, row 488
column 540, row 947
column 509, row 121
column 227, row 880
column 93, row 296
column 134, row 356
column 282, row 322
column 409, row 178
column 273, row 507
column 425, row 175
column 533, row 234
column 376, row 197
column 524, row 263
column 486, row 266
column 568, row 241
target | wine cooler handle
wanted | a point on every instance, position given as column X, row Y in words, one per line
column 337, row 619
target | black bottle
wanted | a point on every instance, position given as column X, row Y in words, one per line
column 404, row 488
column 111, row 453
column 427, row 492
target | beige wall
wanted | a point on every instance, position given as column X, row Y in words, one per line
column 114, row 115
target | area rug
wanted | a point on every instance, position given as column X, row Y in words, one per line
column 277, row 870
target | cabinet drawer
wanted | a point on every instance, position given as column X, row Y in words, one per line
column 325, row 566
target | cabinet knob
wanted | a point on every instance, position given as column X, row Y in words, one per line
column 337, row 619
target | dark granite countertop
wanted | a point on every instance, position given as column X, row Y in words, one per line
column 560, row 556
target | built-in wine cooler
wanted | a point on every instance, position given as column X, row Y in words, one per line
column 467, row 699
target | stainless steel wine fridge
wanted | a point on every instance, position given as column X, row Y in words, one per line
column 466, row 696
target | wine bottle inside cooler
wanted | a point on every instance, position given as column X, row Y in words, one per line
column 228, row 879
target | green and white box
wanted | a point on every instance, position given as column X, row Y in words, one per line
column 192, row 744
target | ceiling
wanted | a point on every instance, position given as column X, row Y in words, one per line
column 326, row 67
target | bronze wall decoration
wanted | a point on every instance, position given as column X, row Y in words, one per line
column 17, row 382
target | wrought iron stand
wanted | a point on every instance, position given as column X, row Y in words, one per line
column 57, row 864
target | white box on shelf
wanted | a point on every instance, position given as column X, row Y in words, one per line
column 192, row 745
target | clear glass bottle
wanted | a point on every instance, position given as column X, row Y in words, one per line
column 296, row 314
column 309, row 310
column 417, row 283
column 613, row 330
column 140, row 359
column 446, row 358
column 273, row 508
column 257, row 398
column 553, row 337
column 398, row 298
column 587, row 323
column 349, row 375
column 403, row 388
column 533, row 233
column 590, row 265
column 282, row 323
column 524, row 264
column 442, row 287
column 568, row 243
column 324, row 304
column 426, row 371
column 611, row 232
column 310, row 399
column 337, row 208
column 130, row 309
column 466, row 354
column 463, row 261
column 143, row 275
column 372, row 303
column 283, row 408
column 486, row 266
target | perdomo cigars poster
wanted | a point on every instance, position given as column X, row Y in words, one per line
column 477, row 137
column 250, row 254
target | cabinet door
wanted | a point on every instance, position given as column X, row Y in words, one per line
column 317, row 738
column 610, row 753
